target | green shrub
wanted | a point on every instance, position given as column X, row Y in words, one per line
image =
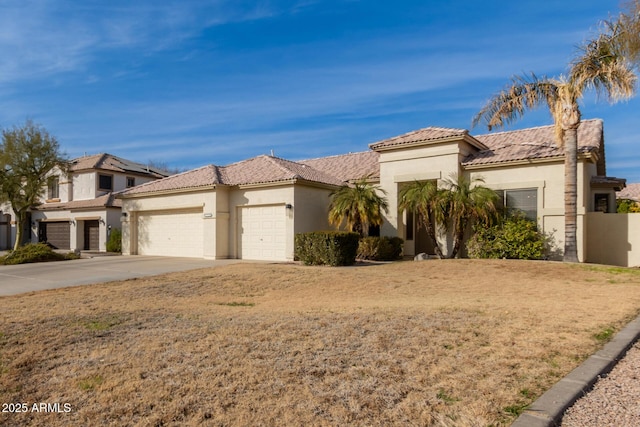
column 32, row 252
column 380, row 248
column 326, row 248
column 627, row 206
column 115, row 241
column 514, row 238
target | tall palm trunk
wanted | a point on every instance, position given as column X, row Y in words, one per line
column 570, row 123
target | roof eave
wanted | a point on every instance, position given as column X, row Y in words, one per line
column 167, row 192
column 523, row 162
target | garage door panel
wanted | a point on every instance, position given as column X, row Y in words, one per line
column 171, row 233
column 58, row 234
column 263, row 233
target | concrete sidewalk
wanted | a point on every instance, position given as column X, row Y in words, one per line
column 17, row 279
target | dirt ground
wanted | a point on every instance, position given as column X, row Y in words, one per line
column 446, row 343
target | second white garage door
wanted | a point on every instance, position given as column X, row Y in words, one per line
column 263, row 233
column 171, row 233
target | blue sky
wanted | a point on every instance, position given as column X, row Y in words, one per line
column 190, row 83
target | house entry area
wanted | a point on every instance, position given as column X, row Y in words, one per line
column 91, row 235
column 415, row 231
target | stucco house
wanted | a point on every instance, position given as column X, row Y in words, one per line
column 79, row 209
column 252, row 209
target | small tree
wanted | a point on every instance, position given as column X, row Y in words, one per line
column 425, row 198
column 360, row 204
column 467, row 202
column 27, row 154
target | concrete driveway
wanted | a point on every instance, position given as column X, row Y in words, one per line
column 17, row 279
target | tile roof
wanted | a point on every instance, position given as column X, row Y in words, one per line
column 200, row 177
column 266, row 169
column 420, row 135
column 348, row 167
column 106, row 201
column 533, row 143
column 257, row 170
column 105, row 161
column 632, row 192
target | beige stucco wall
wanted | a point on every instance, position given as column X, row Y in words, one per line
column 614, row 239
column 84, row 186
column 311, row 209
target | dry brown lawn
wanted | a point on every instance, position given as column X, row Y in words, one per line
column 446, row 343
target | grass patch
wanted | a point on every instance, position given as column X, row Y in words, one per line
column 90, row 383
column 604, row 335
column 237, row 304
column 453, row 342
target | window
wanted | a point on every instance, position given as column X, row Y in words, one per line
column 525, row 201
column 105, row 182
column 53, row 187
column 601, row 202
column 131, row 182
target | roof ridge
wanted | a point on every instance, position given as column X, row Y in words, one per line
column 277, row 161
column 146, row 184
column 595, row 119
column 339, row 155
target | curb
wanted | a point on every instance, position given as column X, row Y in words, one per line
column 548, row 409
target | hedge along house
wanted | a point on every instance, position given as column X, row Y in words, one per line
column 250, row 210
column 525, row 167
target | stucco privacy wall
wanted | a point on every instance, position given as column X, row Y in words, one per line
column 613, row 239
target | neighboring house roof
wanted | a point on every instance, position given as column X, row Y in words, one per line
column 429, row 134
column 257, row 170
column 109, row 162
column 631, row 192
column 106, row 201
column 533, row 143
column 348, row 167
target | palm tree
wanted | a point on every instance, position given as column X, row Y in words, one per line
column 425, row 198
column 466, row 201
column 610, row 75
column 624, row 33
column 360, row 204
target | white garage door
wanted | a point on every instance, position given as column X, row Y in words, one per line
column 263, row 233
column 171, row 233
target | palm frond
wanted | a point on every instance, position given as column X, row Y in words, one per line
column 603, row 67
column 522, row 94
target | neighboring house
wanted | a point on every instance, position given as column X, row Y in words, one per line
column 631, row 192
column 79, row 209
column 252, row 209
